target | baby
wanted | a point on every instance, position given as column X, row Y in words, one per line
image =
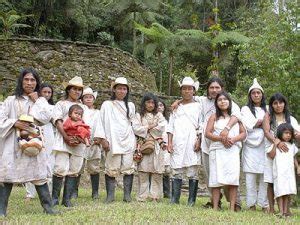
column 75, row 126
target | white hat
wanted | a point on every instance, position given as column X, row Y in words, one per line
column 189, row 82
column 119, row 80
column 255, row 85
column 89, row 91
column 75, row 81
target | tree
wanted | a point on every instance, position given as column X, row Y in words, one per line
column 10, row 23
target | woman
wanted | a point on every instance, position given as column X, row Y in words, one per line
column 224, row 163
column 278, row 114
column 149, row 125
column 69, row 150
column 253, row 158
column 44, row 115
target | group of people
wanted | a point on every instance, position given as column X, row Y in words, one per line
column 208, row 130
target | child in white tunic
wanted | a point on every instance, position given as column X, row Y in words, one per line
column 184, row 142
column 149, row 125
column 253, row 157
column 284, row 163
column 224, row 163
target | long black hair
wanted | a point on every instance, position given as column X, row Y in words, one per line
column 44, row 85
column 279, row 97
column 251, row 104
column 284, row 127
column 212, row 80
column 148, row 96
column 219, row 113
column 19, row 88
column 165, row 112
column 113, row 97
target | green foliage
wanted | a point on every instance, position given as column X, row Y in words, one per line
column 225, row 38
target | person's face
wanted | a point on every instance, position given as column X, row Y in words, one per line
column 286, row 135
column 46, row 92
column 76, row 115
column 256, row 96
column 223, row 103
column 28, row 84
column 121, row 91
column 278, row 106
column 160, row 107
column 75, row 93
column 214, row 89
column 187, row 92
column 88, row 100
column 149, row 105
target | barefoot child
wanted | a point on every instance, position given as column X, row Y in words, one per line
column 75, row 126
column 224, row 162
column 284, row 179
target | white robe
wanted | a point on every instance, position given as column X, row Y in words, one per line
column 16, row 167
column 93, row 152
column 184, row 124
column 253, row 156
column 154, row 162
column 116, row 127
column 284, row 171
column 224, row 163
column 268, row 168
column 208, row 108
column 60, row 112
column 167, row 156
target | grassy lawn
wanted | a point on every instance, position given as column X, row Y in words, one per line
column 88, row 211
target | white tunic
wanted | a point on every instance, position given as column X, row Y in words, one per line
column 116, row 127
column 16, row 167
column 224, row 163
column 154, row 162
column 167, row 157
column 93, row 152
column 44, row 116
column 253, row 156
column 208, row 108
column 284, row 171
column 184, row 124
column 60, row 112
column 268, row 169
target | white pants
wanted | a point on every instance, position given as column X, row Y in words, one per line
column 119, row 164
column 31, row 191
column 149, row 189
column 192, row 172
column 254, row 196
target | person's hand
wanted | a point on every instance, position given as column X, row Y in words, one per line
column 105, row 145
column 224, row 135
column 298, row 171
column 71, row 140
column 282, row 147
column 33, row 96
column 175, row 105
column 259, row 123
column 96, row 141
column 197, row 145
column 170, row 148
column 151, row 126
column 22, row 125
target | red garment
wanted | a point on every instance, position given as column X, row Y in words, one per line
column 78, row 128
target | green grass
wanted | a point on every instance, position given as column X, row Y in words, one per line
column 88, row 211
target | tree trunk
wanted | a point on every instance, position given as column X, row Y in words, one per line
column 160, row 71
column 134, row 35
column 170, row 74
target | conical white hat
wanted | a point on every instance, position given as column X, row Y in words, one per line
column 188, row 81
column 89, row 91
column 255, row 85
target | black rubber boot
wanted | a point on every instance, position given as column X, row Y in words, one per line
column 45, row 198
column 110, row 184
column 56, row 183
column 166, row 186
column 5, row 190
column 193, row 187
column 95, row 185
column 176, row 190
column 75, row 191
column 127, row 183
column 70, row 183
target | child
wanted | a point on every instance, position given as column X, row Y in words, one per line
column 75, row 126
column 150, row 125
column 224, row 162
column 284, row 179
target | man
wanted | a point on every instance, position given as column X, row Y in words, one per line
column 184, row 141
column 16, row 166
